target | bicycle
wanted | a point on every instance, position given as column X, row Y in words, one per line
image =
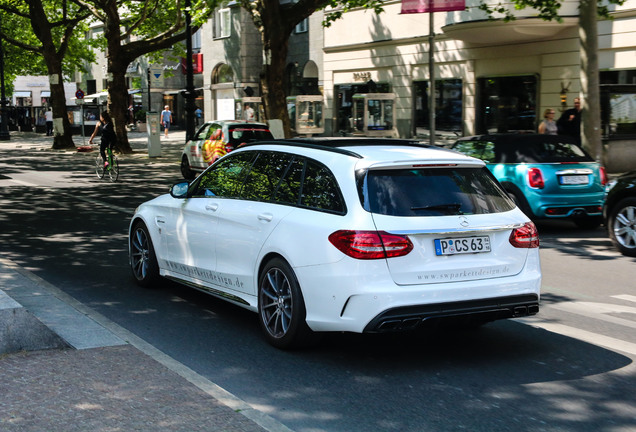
column 112, row 168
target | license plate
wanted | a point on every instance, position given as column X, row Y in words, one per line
column 574, row 179
column 462, row 245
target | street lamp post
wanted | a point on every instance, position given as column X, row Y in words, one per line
column 4, row 132
column 189, row 90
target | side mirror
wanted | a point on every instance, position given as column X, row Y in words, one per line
column 179, row 190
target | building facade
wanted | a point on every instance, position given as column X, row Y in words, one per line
column 490, row 76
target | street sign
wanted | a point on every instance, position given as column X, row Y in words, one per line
column 79, row 94
column 156, row 75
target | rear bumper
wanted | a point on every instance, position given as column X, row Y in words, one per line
column 569, row 211
column 564, row 206
column 478, row 311
column 355, row 296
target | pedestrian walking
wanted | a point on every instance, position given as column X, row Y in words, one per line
column 49, row 122
column 166, row 120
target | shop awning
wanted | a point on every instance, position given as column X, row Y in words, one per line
column 45, row 93
column 22, row 94
column 94, row 96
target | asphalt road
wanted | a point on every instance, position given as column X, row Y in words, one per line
column 571, row 368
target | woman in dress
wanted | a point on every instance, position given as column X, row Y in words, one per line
column 548, row 126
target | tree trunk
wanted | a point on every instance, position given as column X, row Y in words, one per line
column 42, row 28
column 62, row 138
column 118, row 107
column 117, row 88
column 590, row 82
column 272, row 84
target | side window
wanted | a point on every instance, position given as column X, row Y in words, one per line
column 320, row 189
column 484, row 150
column 226, row 178
column 263, row 179
column 214, row 132
column 203, row 132
column 288, row 191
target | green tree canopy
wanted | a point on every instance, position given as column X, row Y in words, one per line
column 47, row 32
column 133, row 29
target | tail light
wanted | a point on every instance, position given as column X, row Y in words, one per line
column 525, row 237
column 535, row 178
column 603, row 174
column 371, row 244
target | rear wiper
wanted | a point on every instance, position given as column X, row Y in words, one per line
column 452, row 208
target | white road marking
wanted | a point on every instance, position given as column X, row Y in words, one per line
column 585, row 336
column 599, row 311
column 627, row 297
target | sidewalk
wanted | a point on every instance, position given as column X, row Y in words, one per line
column 65, row 367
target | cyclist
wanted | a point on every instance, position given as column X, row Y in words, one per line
column 105, row 124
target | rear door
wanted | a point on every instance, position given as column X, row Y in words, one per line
column 457, row 217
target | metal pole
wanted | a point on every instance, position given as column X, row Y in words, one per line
column 148, row 77
column 4, row 132
column 431, row 73
column 189, row 93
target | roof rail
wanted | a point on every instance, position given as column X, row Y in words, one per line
column 334, row 144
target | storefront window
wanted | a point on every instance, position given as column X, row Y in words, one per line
column 507, row 104
column 448, row 106
column 618, row 111
column 618, row 104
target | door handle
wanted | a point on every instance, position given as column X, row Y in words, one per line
column 212, row 207
column 267, row 217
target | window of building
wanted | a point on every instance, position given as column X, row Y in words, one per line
column 91, row 86
column 222, row 74
column 222, row 24
column 506, row 104
column 618, row 104
column 303, row 26
column 448, row 105
column 196, row 40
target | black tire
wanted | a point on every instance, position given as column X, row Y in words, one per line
column 99, row 167
column 143, row 261
column 281, row 307
column 589, row 223
column 113, row 172
column 186, row 172
column 621, row 226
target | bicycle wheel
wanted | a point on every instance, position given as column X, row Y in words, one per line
column 99, row 167
column 113, row 170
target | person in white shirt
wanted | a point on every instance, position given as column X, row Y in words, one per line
column 49, row 122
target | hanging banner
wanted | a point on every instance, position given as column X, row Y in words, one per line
column 422, row 6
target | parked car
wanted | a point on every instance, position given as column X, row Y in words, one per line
column 548, row 176
column 620, row 213
column 355, row 235
column 215, row 139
